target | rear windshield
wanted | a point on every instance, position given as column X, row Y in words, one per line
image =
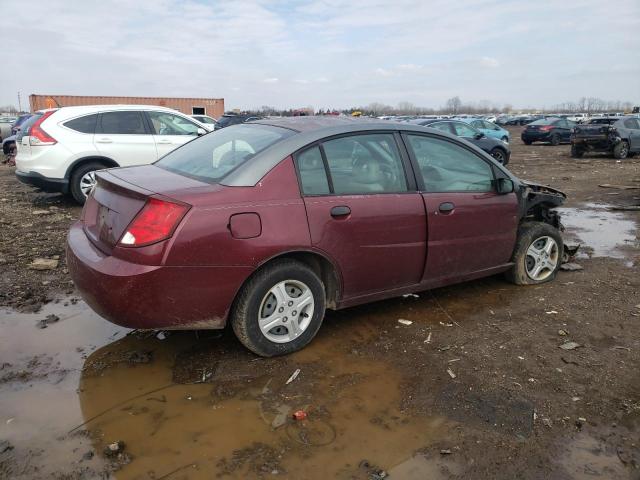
column 228, row 120
column 544, row 121
column 211, row 157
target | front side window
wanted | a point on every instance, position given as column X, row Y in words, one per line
column 448, row 167
column 125, row 123
column 169, row 124
column 463, row 130
column 360, row 164
column 632, row 123
column 211, row 157
column 313, row 175
column 86, row 124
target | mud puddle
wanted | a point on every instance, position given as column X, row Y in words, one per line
column 602, row 232
column 586, row 457
column 187, row 405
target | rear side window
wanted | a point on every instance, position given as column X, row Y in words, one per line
column 447, row 167
column 463, row 130
column 123, row 123
column 361, row 164
column 313, row 176
column 211, row 157
column 86, row 124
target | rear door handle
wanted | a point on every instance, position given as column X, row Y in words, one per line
column 164, row 142
column 340, row 211
column 104, row 140
column 446, row 207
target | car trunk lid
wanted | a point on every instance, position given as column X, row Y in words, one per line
column 121, row 193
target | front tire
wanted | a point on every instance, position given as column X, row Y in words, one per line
column 537, row 255
column 527, row 142
column 280, row 309
column 621, row 150
column 83, row 180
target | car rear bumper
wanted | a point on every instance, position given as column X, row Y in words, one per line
column 151, row 297
column 44, row 183
column 535, row 136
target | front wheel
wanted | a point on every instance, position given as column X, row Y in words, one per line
column 280, row 309
column 537, row 255
column 527, row 142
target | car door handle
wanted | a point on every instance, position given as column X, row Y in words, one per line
column 340, row 211
column 104, row 140
column 164, row 142
column 446, row 207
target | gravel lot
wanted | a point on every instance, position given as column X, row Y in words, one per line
column 475, row 387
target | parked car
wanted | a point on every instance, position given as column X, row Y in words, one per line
column 489, row 129
column 617, row 136
column 208, row 122
column 64, row 147
column 16, row 125
column 496, row 148
column 578, row 117
column 265, row 225
column 5, row 126
column 231, row 119
column 552, row 130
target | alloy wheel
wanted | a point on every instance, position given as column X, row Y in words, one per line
column 87, row 182
column 542, row 258
column 286, row 311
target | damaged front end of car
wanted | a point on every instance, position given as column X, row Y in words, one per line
column 538, row 202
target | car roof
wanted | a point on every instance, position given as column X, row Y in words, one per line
column 312, row 129
column 78, row 110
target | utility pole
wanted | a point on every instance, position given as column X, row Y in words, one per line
column 19, row 102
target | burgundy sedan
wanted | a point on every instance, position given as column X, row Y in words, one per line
column 267, row 224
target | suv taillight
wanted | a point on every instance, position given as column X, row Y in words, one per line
column 37, row 135
column 156, row 221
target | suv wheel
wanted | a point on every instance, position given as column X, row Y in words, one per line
column 576, row 152
column 537, row 255
column 83, row 179
column 621, row 150
column 527, row 142
column 280, row 309
column 555, row 140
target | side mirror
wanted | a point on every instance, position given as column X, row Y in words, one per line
column 479, row 135
column 201, row 131
column 504, row 186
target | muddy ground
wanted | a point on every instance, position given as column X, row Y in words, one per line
column 475, row 387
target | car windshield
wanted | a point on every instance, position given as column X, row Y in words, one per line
column 211, row 157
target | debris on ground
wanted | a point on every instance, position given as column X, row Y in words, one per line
column 373, row 471
column 446, row 451
column 404, row 322
column 5, row 446
column 619, row 187
column 428, row 340
column 571, row 267
column 114, row 449
column 625, row 208
column 410, row 295
column 451, row 374
column 44, row 264
column 293, row 376
column 161, row 336
column 563, row 333
column 570, row 346
column 45, row 322
column 551, row 312
column 299, row 415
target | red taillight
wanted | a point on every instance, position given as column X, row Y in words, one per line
column 37, row 136
column 155, row 222
column 546, row 128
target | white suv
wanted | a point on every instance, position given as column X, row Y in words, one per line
column 64, row 147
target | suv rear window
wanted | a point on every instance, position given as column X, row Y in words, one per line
column 85, row 124
column 211, row 157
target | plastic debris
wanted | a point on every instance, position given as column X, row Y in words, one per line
column 404, row 322
column 451, row 374
column 293, row 376
column 571, row 267
column 299, row 415
column 570, row 346
column 428, row 340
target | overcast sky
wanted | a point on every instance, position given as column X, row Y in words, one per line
column 331, row 53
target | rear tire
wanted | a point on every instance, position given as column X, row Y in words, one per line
column 499, row 154
column 537, row 255
column 555, row 140
column 576, row 152
column 269, row 297
column 79, row 181
column 527, row 142
column 621, row 150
